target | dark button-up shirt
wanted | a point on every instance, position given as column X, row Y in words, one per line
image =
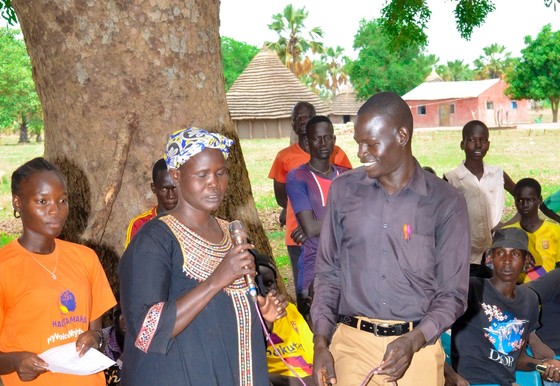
column 403, row 256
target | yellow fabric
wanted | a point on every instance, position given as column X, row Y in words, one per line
column 357, row 352
column 38, row 313
column 136, row 223
column 544, row 245
column 294, row 340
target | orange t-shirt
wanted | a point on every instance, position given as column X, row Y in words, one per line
column 38, row 312
column 290, row 158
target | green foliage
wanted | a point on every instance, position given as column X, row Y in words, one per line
column 382, row 67
column 19, row 102
column 406, row 20
column 470, row 14
column 494, row 63
column 455, row 71
column 328, row 73
column 7, row 12
column 294, row 40
column 548, row 3
column 6, row 238
column 537, row 75
column 235, row 58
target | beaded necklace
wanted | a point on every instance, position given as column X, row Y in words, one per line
column 200, row 259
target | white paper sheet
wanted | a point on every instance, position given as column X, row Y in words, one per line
column 64, row 359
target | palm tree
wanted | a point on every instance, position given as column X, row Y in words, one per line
column 291, row 45
column 494, row 63
column 455, row 71
column 335, row 61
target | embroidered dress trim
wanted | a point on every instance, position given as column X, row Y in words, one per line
column 201, row 258
column 149, row 327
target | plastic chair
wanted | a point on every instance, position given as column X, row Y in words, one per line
column 528, row 378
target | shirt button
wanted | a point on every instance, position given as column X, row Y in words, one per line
column 385, row 226
column 385, row 251
column 383, row 277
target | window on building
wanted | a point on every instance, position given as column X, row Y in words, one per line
column 514, row 105
column 422, row 110
column 452, row 108
column 489, row 105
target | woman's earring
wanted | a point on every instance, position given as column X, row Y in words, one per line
column 16, row 213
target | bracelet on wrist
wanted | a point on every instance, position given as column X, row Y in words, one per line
column 100, row 334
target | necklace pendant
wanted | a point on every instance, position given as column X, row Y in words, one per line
column 54, row 276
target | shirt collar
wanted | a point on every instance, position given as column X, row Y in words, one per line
column 417, row 182
column 463, row 172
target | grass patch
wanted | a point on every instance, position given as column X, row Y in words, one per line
column 521, row 153
column 12, row 155
column 6, row 238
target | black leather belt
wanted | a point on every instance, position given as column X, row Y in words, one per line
column 378, row 329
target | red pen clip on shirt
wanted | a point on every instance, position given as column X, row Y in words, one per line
column 406, row 231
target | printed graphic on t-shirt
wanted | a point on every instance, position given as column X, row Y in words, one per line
column 67, row 302
column 504, row 332
column 72, row 324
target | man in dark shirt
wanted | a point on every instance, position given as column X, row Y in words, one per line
column 393, row 259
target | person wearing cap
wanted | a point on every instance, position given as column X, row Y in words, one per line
column 488, row 341
column 189, row 318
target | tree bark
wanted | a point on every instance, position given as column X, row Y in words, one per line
column 554, row 102
column 96, row 64
column 23, row 130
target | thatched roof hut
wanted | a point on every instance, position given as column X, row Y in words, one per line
column 345, row 106
column 261, row 99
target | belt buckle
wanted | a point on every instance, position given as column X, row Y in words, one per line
column 382, row 325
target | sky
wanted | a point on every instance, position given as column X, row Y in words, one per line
column 511, row 21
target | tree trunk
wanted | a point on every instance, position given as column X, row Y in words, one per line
column 115, row 78
column 23, row 130
column 554, row 106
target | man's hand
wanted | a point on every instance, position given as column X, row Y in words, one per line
column 398, row 355
column 282, row 218
column 552, row 372
column 323, row 362
column 298, row 235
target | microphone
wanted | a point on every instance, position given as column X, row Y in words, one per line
column 239, row 236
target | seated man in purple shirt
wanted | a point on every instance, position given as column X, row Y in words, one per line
column 393, row 261
column 307, row 187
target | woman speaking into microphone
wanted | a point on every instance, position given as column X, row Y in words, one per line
column 190, row 319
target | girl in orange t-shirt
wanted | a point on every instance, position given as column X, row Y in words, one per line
column 52, row 292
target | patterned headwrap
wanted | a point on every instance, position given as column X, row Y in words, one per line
column 186, row 143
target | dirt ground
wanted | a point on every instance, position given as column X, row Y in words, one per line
column 10, row 226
